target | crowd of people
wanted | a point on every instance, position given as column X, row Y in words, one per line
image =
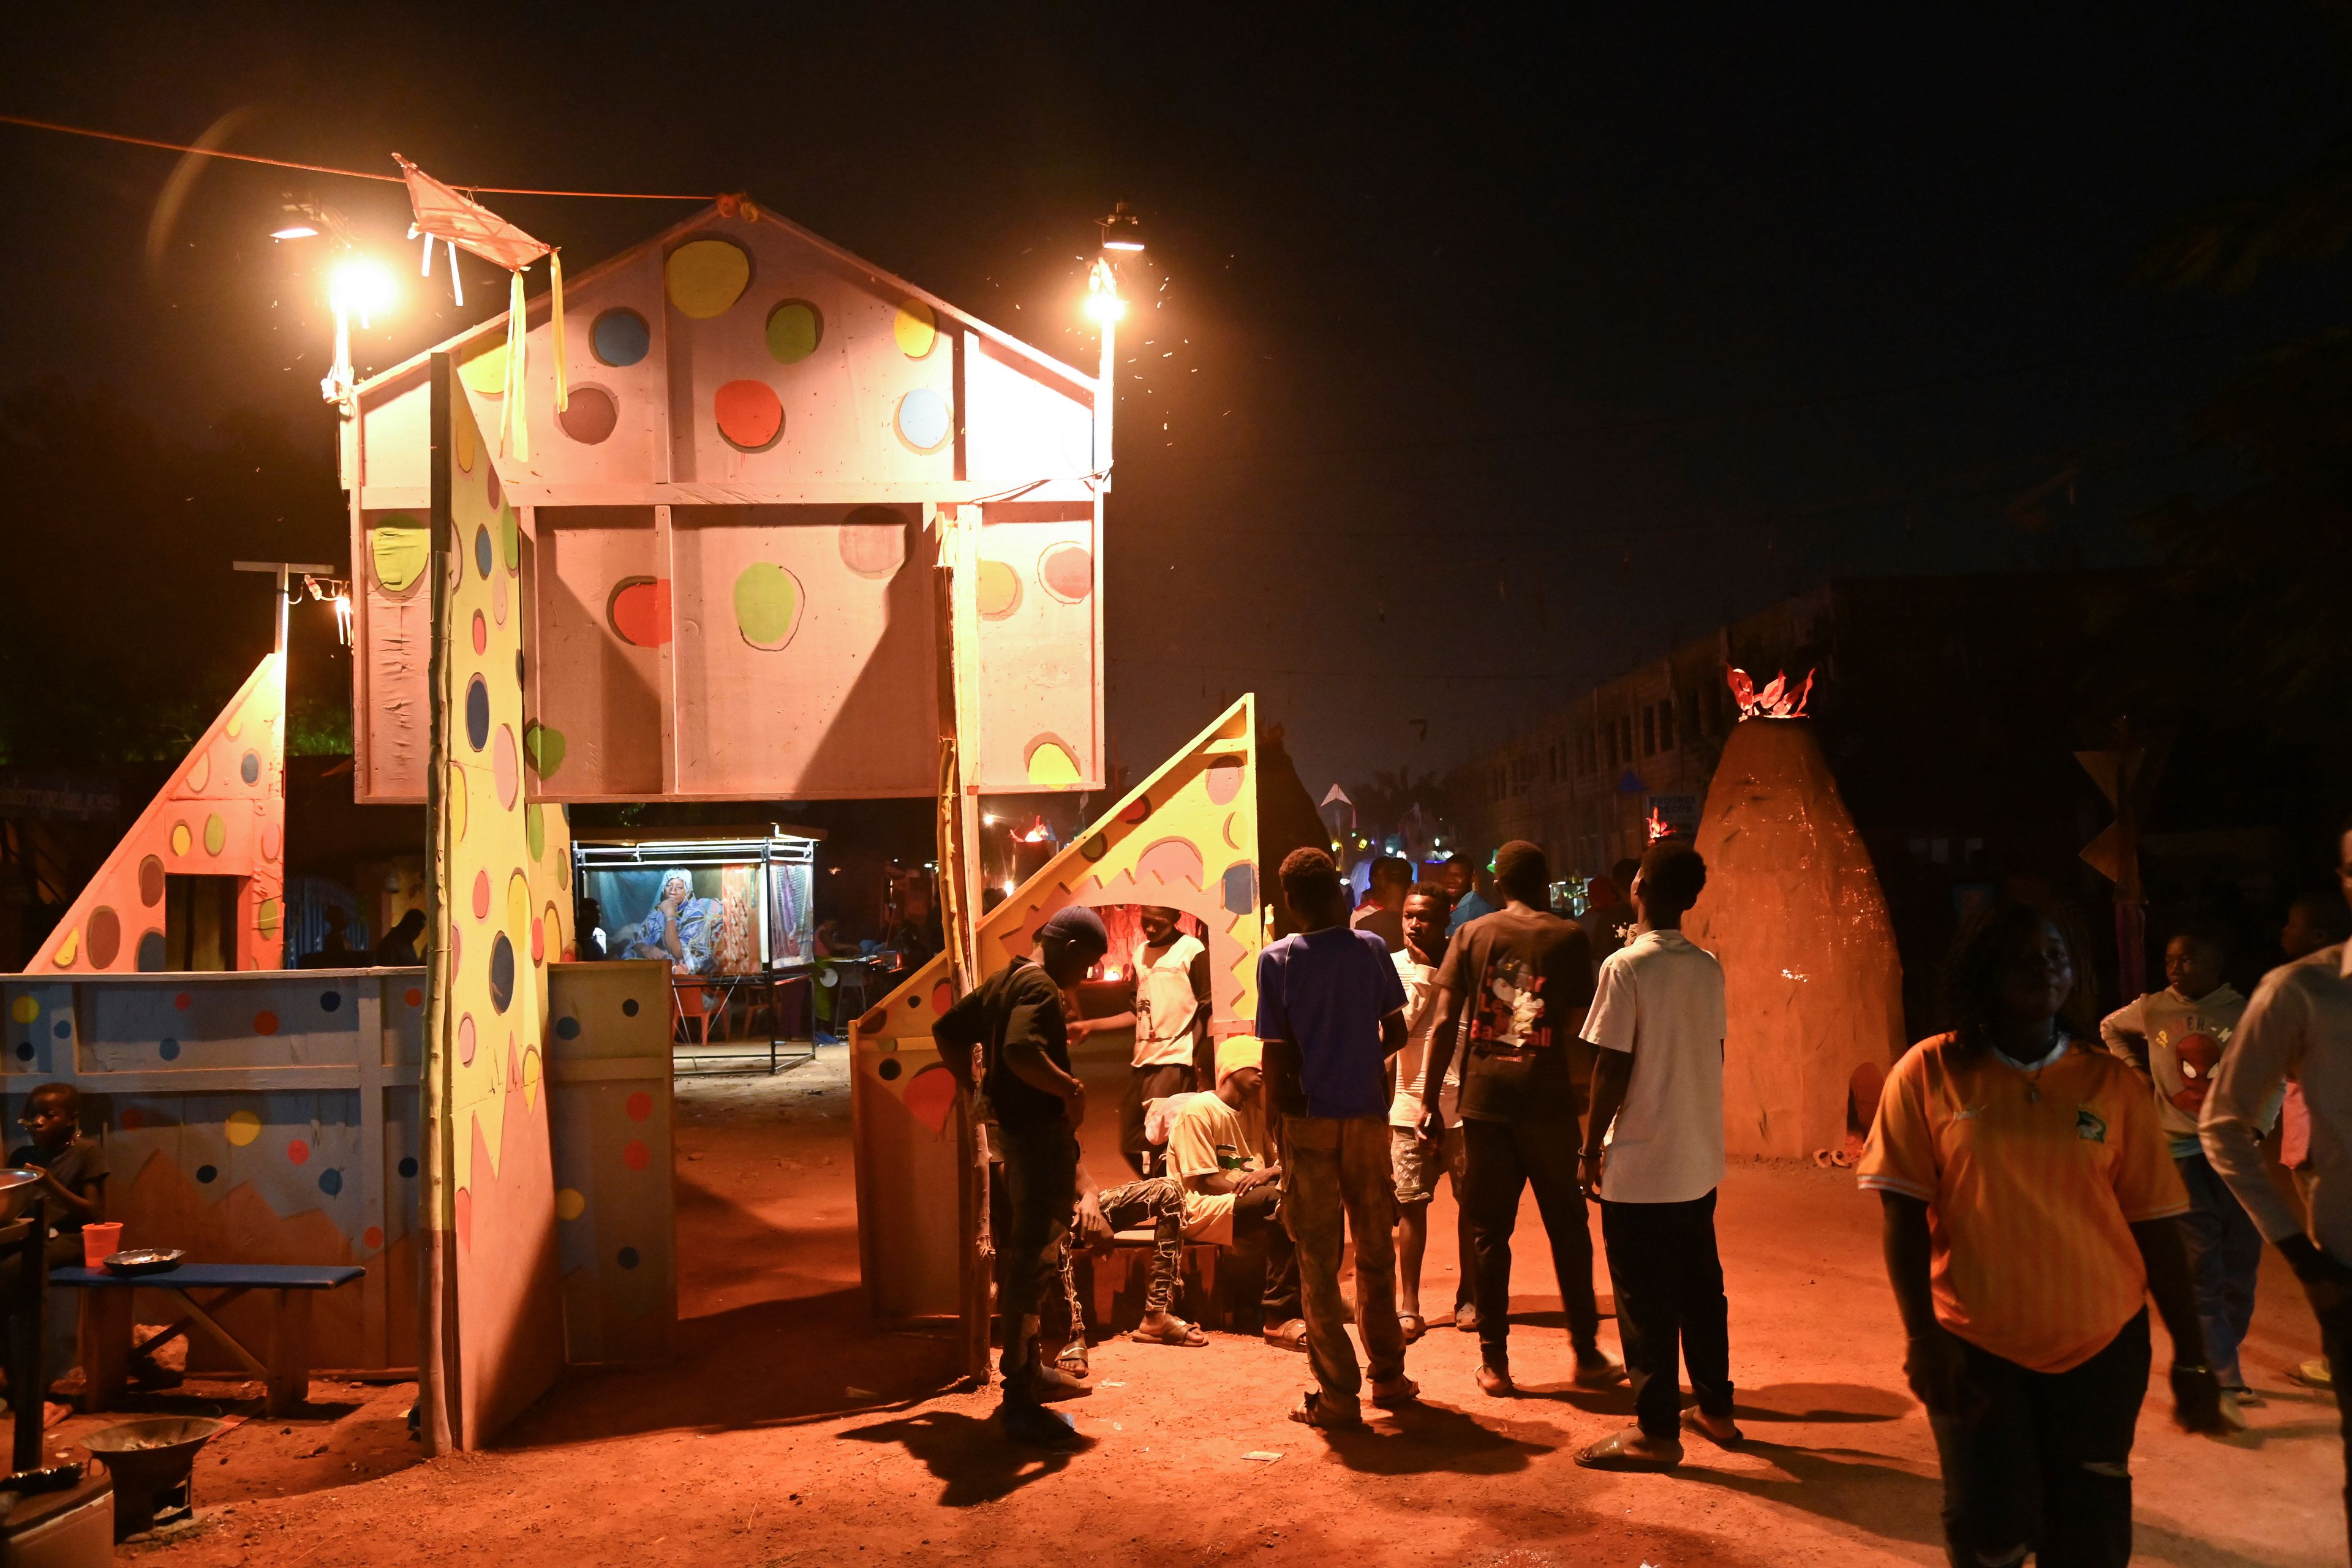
column 2043, row 1176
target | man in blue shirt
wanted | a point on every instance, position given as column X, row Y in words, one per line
column 1461, row 879
column 1330, row 1011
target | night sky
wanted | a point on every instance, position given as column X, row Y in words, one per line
column 1476, row 358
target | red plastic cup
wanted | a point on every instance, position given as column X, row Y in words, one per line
column 100, row 1242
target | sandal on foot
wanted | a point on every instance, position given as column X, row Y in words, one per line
column 1465, row 1317
column 1414, row 1325
column 1392, row 1391
column 1720, row 1430
column 1177, row 1332
column 1630, row 1450
column 1289, row 1336
column 1496, row 1382
column 1051, row 1383
column 1596, row 1369
column 1312, row 1411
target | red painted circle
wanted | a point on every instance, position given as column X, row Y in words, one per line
column 181, row 1000
column 749, row 414
column 481, row 634
column 640, row 1106
column 372, row 1238
column 299, row 1152
column 481, row 895
column 265, row 1022
column 633, row 1155
column 132, row 1121
column 414, row 997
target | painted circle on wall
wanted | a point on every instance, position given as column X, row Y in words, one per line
column 168, row 1048
column 297, row 1150
column 997, row 590
column 478, row 714
column 151, row 952
column 181, row 839
column 591, row 417
column 749, row 414
column 150, row 882
column 915, row 328
column 766, row 606
column 628, row 1007
column 244, row 1127
column 1223, row 779
column 637, row 609
column 484, row 372
column 399, row 548
column 1050, row 763
column 873, row 540
column 481, row 895
column 923, row 421
column 481, row 634
column 265, row 1022
column 248, row 767
column 638, row 1106
column 794, row 328
column 506, row 767
column 619, row 338
column 1067, row 571
column 485, row 554
column 330, row 1183
column 705, row 277
column 490, row 488
column 569, row 1204
column 635, row 1155
column 25, row 1009
column 216, row 834
column 543, row 747
column 502, row 971
column 466, row 1040
column 103, row 936
column 200, row 772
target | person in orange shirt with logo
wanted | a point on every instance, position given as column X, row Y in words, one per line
column 2030, row 1210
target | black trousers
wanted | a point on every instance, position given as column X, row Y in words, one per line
column 2336, row 1339
column 1041, row 1189
column 1501, row 1160
column 1262, row 1244
column 1670, row 1307
column 2042, row 1460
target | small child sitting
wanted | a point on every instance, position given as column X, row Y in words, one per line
column 73, row 1167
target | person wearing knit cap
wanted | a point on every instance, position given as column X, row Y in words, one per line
column 1016, row 1021
column 1511, row 997
column 1232, row 1195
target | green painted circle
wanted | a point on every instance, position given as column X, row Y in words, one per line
column 510, row 538
column 534, row 827
column 794, row 328
column 767, row 604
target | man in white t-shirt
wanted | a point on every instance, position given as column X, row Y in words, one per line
column 1657, row 1096
column 1170, row 1015
column 1416, row 1161
column 1217, row 1149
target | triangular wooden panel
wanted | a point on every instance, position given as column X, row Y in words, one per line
column 1186, row 837
column 223, row 814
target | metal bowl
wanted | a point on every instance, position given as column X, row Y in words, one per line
column 145, row 1260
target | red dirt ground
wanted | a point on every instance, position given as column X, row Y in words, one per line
column 752, row 1450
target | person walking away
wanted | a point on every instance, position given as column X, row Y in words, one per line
column 1167, row 1007
column 2030, row 1211
column 1217, row 1149
column 1513, row 993
column 2298, row 1024
column 1383, row 910
column 1015, row 1020
column 1331, row 1013
column 2174, row 1038
column 1416, row 1158
column 1653, row 1158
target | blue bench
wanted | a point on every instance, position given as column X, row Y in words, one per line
column 285, row 1364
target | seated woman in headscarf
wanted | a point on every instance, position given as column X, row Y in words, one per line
column 680, row 928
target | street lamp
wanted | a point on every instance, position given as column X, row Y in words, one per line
column 1122, row 235
column 357, row 286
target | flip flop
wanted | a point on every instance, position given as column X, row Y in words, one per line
column 1414, row 1325
column 1396, row 1391
column 1053, row 1383
column 1612, row 1454
column 1729, row 1436
column 1073, row 1359
column 1310, row 1411
column 1289, row 1336
column 1179, row 1333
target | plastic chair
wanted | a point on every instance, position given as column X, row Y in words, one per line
column 691, row 1018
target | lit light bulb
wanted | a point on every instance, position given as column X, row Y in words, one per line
column 294, row 231
column 361, row 287
column 1105, row 307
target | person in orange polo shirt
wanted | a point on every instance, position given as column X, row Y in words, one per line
column 2030, row 1210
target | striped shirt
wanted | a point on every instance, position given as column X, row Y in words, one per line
column 2032, row 1178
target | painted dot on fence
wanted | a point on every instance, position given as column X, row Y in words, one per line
column 169, row 1049
column 63, row 1029
column 23, row 1050
column 923, row 421
column 705, row 277
column 627, row 1257
column 207, row 1173
column 749, row 414
column 25, row 1009
column 216, row 834
column 592, row 417
column 151, row 880
column 372, row 1238
column 502, row 971
column 132, row 1121
column 478, row 714
column 639, row 1106
column 620, row 337
column 889, row 1068
column 330, row 1183
column 567, row 1027
column 248, row 767
column 628, row 1007
column 150, row 957
column 181, row 1000
column 297, row 1150
column 244, row 1127
column 634, row 1155
column 408, row 1164
column 569, row 1204
column 413, row 996
column 794, row 328
column 485, row 555
column 466, row 1040
column 180, row 838
column 915, row 328
column 265, row 1022
column 329, row 999
column 481, row 895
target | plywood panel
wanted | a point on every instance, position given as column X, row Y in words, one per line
column 598, row 723
column 1038, row 580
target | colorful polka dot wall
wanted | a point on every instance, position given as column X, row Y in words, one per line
column 223, row 813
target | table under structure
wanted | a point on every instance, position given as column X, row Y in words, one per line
column 284, row 1364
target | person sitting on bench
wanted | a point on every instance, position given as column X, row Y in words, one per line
column 1232, row 1196
column 72, row 1166
column 1155, row 1203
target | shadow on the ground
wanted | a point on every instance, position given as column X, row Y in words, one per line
column 972, row 1458
column 1819, row 1402
column 1434, row 1437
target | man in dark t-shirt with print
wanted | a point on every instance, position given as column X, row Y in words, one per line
column 1511, row 998
column 1016, row 1020
column 1331, row 1013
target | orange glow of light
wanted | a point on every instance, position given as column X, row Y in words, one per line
column 1775, row 701
column 1659, row 827
column 1038, row 832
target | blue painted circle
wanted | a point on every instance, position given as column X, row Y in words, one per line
column 63, row 1029
column 23, row 1050
column 483, row 556
column 168, row 1050
column 923, row 418
column 329, row 999
column 330, row 1183
column 629, row 1007
column 408, row 1164
column 206, row 1173
column 628, row 1258
column 150, row 953
column 620, row 337
column 502, row 972
column 248, row 767
column 567, row 1028
column 478, row 714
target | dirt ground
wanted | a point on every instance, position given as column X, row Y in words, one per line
column 786, row 1433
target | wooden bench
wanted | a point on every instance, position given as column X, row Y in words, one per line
column 285, row 1364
